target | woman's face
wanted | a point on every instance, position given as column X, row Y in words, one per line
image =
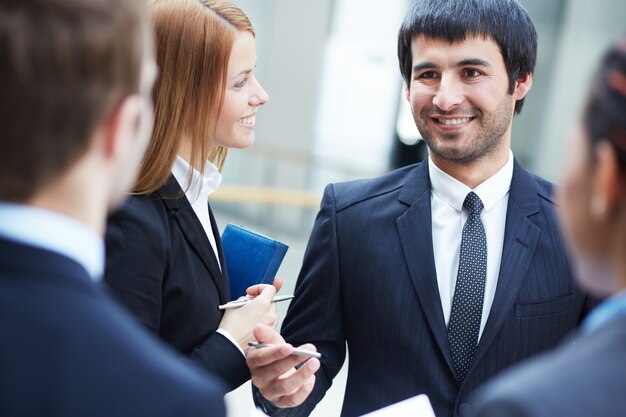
column 587, row 233
column 244, row 94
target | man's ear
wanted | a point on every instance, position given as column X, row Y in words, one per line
column 407, row 91
column 607, row 181
column 522, row 86
column 120, row 128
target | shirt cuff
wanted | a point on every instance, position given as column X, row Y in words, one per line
column 231, row 339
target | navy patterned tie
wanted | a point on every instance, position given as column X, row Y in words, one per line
column 467, row 304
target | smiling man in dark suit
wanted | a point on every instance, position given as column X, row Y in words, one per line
column 75, row 112
column 441, row 274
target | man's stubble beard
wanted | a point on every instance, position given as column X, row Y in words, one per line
column 483, row 141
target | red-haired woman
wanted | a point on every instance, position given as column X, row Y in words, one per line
column 164, row 258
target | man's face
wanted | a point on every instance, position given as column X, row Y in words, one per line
column 459, row 98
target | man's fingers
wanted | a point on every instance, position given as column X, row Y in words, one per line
column 298, row 397
column 265, row 356
column 274, row 372
column 308, row 346
column 292, row 390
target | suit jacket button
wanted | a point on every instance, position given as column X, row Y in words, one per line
column 464, row 409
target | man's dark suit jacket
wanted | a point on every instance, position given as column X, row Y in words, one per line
column 68, row 350
column 161, row 266
column 369, row 279
column 585, row 379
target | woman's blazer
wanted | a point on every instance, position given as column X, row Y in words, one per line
column 160, row 266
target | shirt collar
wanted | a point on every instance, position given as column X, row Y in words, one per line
column 202, row 184
column 63, row 234
column 453, row 192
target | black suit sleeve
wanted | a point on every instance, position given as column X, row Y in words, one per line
column 220, row 356
column 315, row 314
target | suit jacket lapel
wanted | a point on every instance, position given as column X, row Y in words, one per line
column 180, row 209
column 520, row 239
column 415, row 233
column 220, row 252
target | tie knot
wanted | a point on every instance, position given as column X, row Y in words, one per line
column 473, row 204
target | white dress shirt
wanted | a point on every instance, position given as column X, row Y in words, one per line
column 197, row 192
column 54, row 232
column 448, row 218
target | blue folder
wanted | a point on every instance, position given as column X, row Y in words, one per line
column 251, row 258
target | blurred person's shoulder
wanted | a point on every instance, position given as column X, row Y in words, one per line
column 138, row 370
column 67, row 338
column 577, row 379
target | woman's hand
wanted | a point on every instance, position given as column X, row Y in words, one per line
column 255, row 290
column 239, row 322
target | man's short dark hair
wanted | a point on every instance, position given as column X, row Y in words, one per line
column 64, row 66
column 504, row 21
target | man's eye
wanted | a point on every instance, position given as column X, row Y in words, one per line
column 428, row 75
column 472, row 73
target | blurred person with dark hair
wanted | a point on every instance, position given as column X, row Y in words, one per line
column 76, row 116
column 585, row 378
column 439, row 275
column 165, row 261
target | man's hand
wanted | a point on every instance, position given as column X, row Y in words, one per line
column 273, row 369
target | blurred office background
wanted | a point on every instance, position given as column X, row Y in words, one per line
column 337, row 112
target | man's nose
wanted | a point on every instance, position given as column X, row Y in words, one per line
column 449, row 94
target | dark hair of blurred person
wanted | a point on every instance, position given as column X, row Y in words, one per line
column 63, row 72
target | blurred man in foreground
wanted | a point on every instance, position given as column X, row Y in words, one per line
column 75, row 112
